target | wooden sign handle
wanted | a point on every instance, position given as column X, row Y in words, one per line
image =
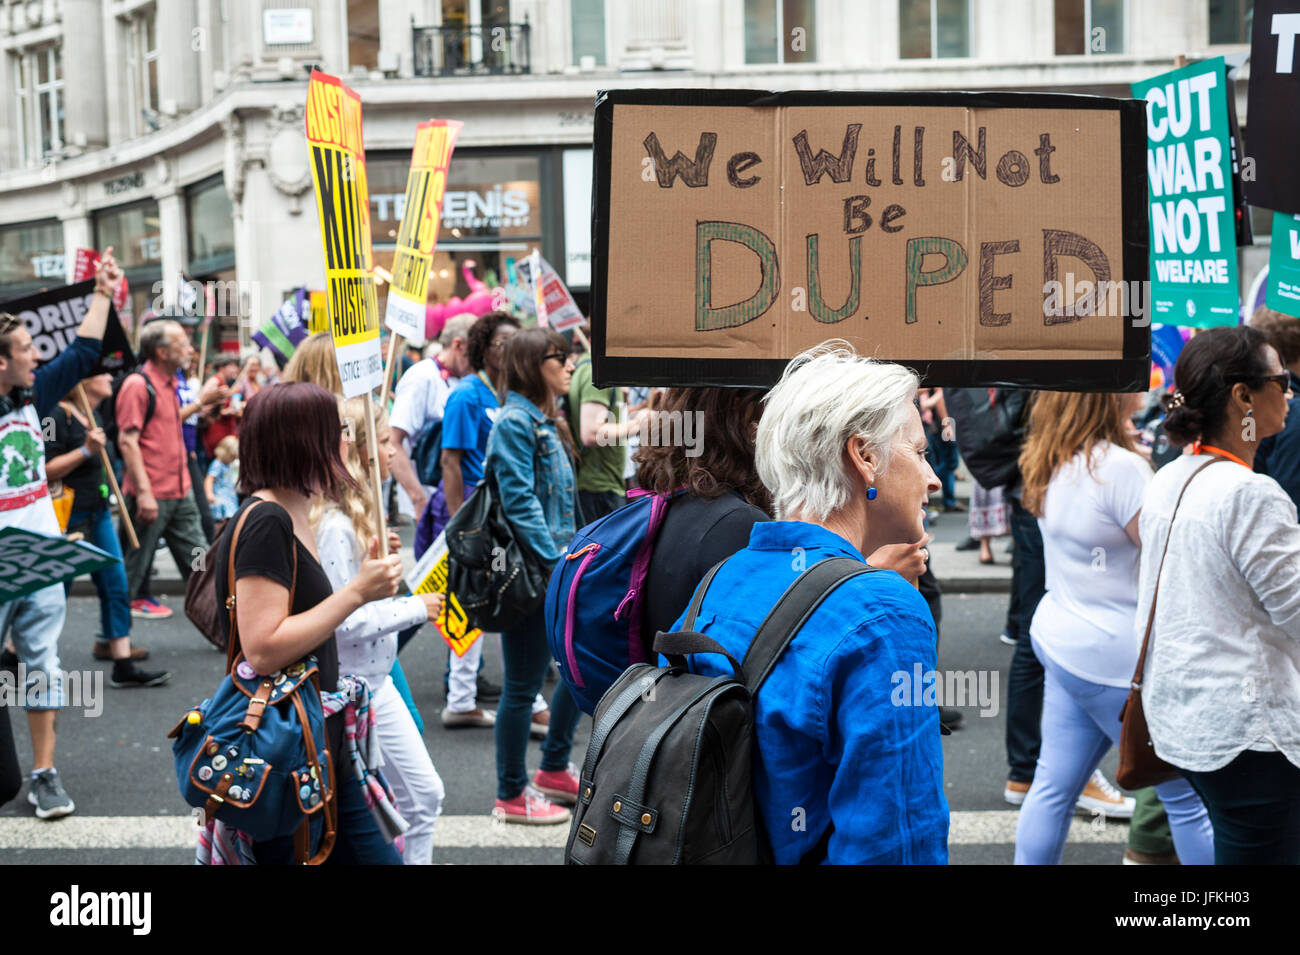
column 377, row 484
column 89, row 412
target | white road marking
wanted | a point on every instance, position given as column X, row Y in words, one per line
column 453, row 832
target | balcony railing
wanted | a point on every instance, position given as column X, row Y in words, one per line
column 492, row 48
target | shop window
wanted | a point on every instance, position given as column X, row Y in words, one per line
column 780, row 31
column 211, row 226
column 929, row 29
column 31, row 257
column 1089, row 26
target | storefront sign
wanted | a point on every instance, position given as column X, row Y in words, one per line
column 734, row 229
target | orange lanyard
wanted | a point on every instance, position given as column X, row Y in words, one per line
column 1197, row 448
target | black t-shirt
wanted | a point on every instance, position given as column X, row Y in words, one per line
column 697, row 533
column 264, row 551
column 87, row 478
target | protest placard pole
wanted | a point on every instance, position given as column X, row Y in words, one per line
column 388, row 369
column 89, row 412
column 582, row 339
column 376, row 483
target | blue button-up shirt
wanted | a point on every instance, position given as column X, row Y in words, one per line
column 834, row 748
column 533, row 475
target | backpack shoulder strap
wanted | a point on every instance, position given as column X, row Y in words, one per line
column 151, row 402
column 791, row 612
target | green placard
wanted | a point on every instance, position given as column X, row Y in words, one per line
column 1283, row 290
column 1189, row 187
column 31, row 561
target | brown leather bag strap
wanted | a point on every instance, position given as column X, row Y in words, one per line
column 1151, row 617
column 302, row 834
column 233, row 649
column 232, row 642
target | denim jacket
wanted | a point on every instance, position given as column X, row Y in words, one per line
column 534, row 477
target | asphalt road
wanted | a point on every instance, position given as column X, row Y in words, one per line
column 118, row 764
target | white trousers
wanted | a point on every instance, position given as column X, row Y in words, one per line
column 462, row 683
column 410, row 772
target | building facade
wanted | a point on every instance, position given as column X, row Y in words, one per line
column 173, row 129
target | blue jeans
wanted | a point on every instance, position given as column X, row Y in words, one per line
column 110, row 581
column 943, row 458
column 1254, row 803
column 1025, row 677
column 525, row 656
column 359, row 841
column 1080, row 724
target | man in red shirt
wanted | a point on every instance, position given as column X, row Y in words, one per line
column 157, row 480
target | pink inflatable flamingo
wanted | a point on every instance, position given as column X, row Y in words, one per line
column 478, row 302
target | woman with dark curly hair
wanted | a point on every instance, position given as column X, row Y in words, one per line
column 1221, row 688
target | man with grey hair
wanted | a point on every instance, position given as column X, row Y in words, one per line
column 850, row 767
column 157, row 483
column 420, row 398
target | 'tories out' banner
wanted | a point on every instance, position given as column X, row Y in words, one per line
column 1189, row 176
column 338, row 170
column 425, row 184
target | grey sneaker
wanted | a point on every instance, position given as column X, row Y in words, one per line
column 49, row 797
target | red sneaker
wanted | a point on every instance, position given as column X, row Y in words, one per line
column 561, row 786
column 149, row 610
column 530, row 808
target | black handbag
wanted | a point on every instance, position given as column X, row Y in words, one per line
column 498, row 580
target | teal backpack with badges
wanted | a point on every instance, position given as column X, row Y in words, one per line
column 255, row 755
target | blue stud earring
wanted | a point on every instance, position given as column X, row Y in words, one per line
column 871, row 494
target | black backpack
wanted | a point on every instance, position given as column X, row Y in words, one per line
column 109, row 409
column 667, row 779
column 426, row 454
column 991, row 425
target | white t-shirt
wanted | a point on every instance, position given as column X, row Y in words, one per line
column 420, row 397
column 24, row 495
column 1085, row 620
column 1223, row 666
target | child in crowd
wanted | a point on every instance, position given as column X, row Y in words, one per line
column 223, row 472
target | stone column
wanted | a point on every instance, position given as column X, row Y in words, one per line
column 171, row 228
column 178, row 61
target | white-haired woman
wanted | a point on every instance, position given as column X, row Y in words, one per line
column 849, row 747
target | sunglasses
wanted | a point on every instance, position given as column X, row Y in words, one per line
column 1282, row 379
column 561, row 357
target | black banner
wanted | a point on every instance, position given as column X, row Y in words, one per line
column 1272, row 130
column 53, row 316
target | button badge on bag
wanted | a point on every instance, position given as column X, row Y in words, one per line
column 245, row 670
column 205, row 773
column 218, row 762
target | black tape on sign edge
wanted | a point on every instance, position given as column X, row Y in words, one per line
column 1130, row 373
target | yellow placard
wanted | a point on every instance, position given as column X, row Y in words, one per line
column 338, row 169
column 425, row 183
column 320, row 317
column 453, row 624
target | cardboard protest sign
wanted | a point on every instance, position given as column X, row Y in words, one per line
column 338, row 170
column 1189, row 170
column 425, row 183
column 1283, row 293
column 430, row 577
column 1273, row 104
column 555, row 306
column 52, row 318
column 31, row 561
column 962, row 234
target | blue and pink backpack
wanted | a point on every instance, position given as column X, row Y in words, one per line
column 594, row 599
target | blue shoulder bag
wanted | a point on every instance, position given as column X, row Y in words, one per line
column 254, row 755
